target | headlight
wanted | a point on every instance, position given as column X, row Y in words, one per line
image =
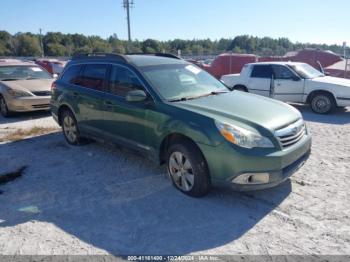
column 18, row 93
column 243, row 137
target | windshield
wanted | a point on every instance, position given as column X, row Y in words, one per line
column 12, row 73
column 306, row 71
column 182, row 81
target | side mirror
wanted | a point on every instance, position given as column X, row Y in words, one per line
column 136, row 96
column 55, row 76
column 327, row 73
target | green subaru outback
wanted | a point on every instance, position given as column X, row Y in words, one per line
column 175, row 113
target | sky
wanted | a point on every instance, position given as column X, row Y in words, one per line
column 315, row 21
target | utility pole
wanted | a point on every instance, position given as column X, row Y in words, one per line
column 127, row 4
column 41, row 43
column 346, row 60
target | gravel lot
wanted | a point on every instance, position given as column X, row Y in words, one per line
column 96, row 199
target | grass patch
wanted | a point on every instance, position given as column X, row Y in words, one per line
column 20, row 134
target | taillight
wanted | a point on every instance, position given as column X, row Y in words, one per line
column 53, row 86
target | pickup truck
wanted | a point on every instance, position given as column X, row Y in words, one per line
column 292, row 82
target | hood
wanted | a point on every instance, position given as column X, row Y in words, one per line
column 332, row 80
column 244, row 109
column 30, row 85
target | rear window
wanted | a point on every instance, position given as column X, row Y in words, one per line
column 262, row 71
column 71, row 75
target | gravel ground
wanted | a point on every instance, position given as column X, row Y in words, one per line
column 96, row 199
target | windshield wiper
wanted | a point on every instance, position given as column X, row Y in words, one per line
column 199, row 96
column 219, row 92
column 179, row 99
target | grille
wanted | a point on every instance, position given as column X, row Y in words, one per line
column 291, row 134
column 42, row 93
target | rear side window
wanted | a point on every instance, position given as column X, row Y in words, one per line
column 262, row 71
column 122, row 81
column 93, row 77
column 71, row 75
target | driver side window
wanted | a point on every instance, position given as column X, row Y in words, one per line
column 282, row 72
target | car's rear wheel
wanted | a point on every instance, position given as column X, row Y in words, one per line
column 5, row 112
column 322, row 103
column 70, row 128
column 187, row 169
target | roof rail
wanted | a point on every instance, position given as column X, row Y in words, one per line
column 157, row 54
column 101, row 56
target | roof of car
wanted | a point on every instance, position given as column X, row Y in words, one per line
column 276, row 63
column 15, row 62
column 149, row 60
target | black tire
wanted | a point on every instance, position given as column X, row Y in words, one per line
column 240, row 88
column 201, row 181
column 322, row 103
column 5, row 112
column 68, row 116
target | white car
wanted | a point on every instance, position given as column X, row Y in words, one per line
column 292, row 82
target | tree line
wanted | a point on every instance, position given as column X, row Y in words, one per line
column 59, row 44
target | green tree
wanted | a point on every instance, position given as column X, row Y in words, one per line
column 27, row 45
column 79, row 40
column 237, row 50
column 55, row 49
column 118, row 47
column 6, row 44
column 82, row 50
column 99, row 45
column 58, row 44
column 197, row 49
column 151, row 46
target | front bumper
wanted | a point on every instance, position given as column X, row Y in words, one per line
column 343, row 101
column 276, row 177
column 25, row 104
column 227, row 162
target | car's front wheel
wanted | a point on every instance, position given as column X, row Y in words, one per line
column 322, row 103
column 5, row 112
column 188, row 170
column 70, row 128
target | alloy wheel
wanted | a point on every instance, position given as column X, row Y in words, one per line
column 321, row 104
column 181, row 171
column 70, row 129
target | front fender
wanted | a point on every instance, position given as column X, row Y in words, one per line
column 203, row 134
